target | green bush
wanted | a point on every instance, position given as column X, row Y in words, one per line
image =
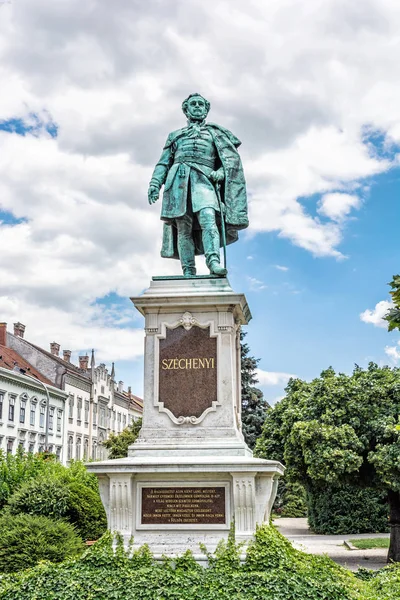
column 25, row 540
column 15, row 469
column 86, row 511
column 343, row 509
column 290, row 500
column 74, row 502
column 273, row 571
column 46, row 497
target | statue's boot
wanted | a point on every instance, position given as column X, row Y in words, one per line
column 216, row 269
column 189, row 271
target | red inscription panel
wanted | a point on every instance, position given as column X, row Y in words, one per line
column 183, row 506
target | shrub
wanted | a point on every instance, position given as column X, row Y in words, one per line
column 334, row 509
column 75, row 502
column 15, row 469
column 273, row 570
column 86, row 511
column 290, row 500
column 25, row 540
column 46, row 497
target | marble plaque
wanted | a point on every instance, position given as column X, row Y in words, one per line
column 183, row 506
column 188, row 371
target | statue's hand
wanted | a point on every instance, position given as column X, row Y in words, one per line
column 217, row 176
column 153, row 194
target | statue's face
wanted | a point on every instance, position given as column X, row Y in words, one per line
column 196, row 108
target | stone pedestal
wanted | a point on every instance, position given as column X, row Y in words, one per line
column 190, row 473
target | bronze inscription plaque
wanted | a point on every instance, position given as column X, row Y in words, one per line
column 183, row 505
column 188, row 371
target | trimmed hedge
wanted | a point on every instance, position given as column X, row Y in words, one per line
column 25, row 540
column 86, row 511
column 347, row 509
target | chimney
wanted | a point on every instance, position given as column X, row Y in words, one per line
column 84, row 362
column 55, row 348
column 3, row 334
column 67, row 355
column 129, row 392
column 120, row 386
column 19, row 329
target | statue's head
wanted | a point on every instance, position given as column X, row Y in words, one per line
column 195, row 107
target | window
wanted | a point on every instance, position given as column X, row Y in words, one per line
column 70, row 447
column 50, row 449
column 79, row 407
column 109, row 417
column 124, row 419
column 94, row 414
column 102, row 389
column 41, row 416
column 21, row 445
column 1, row 404
column 58, row 452
column 22, row 410
column 86, row 449
column 86, row 411
column 41, row 448
column 102, row 417
column 9, row 446
column 78, row 449
column 51, row 417
column 94, row 448
column 71, row 407
column 32, row 417
column 59, row 420
column 11, row 409
column 31, row 449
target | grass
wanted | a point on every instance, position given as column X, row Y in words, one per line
column 369, row 543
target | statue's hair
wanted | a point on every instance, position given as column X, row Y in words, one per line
column 186, row 102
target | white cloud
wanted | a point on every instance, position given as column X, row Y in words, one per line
column 393, row 352
column 281, row 268
column 266, row 378
column 375, row 315
column 255, row 284
column 337, row 206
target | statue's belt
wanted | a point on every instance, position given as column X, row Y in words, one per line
column 188, row 158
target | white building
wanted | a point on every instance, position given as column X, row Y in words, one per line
column 23, row 406
column 95, row 406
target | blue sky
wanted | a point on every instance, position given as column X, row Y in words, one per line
column 313, row 95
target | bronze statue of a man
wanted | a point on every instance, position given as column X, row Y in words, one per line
column 204, row 201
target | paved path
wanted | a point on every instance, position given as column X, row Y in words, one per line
column 297, row 531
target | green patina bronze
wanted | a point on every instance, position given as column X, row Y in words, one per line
column 204, row 201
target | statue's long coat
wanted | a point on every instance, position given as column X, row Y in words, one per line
column 233, row 190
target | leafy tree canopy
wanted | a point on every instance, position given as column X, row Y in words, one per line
column 341, row 428
column 393, row 314
column 118, row 444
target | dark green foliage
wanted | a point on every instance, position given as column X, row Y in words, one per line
column 73, row 502
column 118, row 444
column 46, row 497
column 15, row 469
column 254, row 407
column 393, row 314
column 347, row 509
column 273, row 571
column 341, row 429
column 25, row 540
column 290, row 500
column 85, row 510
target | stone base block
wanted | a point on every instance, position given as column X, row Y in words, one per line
column 174, row 504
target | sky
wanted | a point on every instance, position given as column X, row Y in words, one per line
column 90, row 91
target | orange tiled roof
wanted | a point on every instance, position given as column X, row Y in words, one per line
column 9, row 357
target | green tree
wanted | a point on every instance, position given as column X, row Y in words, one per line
column 341, row 429
column 254, row 406
column 118, row 444
column 393, row 314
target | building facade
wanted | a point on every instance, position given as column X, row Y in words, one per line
column 94, row 404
